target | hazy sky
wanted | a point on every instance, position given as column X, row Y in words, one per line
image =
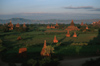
column 9, row 7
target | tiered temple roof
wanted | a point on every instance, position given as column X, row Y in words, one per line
column 72, row 27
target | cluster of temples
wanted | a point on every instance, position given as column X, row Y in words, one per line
column 96, row 23
column 53, row 27
column 72, row 27
column 10, row 25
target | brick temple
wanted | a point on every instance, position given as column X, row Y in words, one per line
column 72, row 27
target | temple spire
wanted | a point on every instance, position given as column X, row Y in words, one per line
column 72, row 23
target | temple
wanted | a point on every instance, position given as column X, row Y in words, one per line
column 17, row 25
column 24, row 26
column 10, row 25
column 82, row 24
column 72, row 27
column 74, row 34
column 43, row 50
column 55, row 40
column 68, row 34
column 48, row 27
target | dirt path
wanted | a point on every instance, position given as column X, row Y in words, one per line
column 75, row 62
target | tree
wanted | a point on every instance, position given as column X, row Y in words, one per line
column 48, row 50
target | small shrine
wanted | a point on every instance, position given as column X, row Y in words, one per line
column 17, row 25
column 55, row 40
column 72, row 27
column 10, row 25
column 68, row 34
column 43, row 52
column 75, row 35
column 21, row 50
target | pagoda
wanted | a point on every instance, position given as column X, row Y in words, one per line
column 56, row 24
column 10, row 25
column 82, row 24
column 74, row 34
column 55, row 40
column 68, row 34
column 17, row 25
column 43, row 50
column 72, row 27
column 48, row 27
column 24, row 26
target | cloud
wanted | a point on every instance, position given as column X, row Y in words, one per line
column 91, row 8
column 82, row 7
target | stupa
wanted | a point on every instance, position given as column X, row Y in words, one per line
column 43, row 50
column 74, row 34
column 10, row 25
column 55, row 40
column 17, row 25
column 68, row 34
column 72, row 27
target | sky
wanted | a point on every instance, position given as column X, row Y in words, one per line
column 22, row 8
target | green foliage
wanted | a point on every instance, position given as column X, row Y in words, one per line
column 32, row 62
column 49, row 49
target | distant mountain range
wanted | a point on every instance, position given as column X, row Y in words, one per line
column 49, row 21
